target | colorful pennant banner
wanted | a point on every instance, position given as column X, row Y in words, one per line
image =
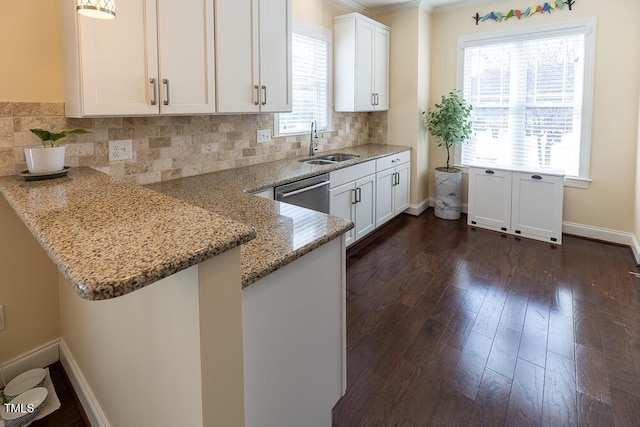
column 519, row 13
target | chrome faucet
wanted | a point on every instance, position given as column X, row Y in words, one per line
column 313, row 144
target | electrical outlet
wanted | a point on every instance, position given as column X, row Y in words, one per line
column 120, row 150
column 264, row 135
column 1, row 317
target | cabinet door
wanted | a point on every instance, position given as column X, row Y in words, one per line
column 117, row 60
column 275, row 55
column 342, row 204
column 364, row 66
column 381, row 68
column 186, row 50
column 365, row 218
column 537, row 206
column 490, row 198
column 384, row 196
column 401, row 191
column 237, row 70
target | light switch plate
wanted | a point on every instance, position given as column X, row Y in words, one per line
column 264, row 135
column 120, row 150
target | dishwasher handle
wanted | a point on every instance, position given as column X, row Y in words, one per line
column 302, row 190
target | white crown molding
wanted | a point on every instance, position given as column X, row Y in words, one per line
column 383, row 10
column 355, row 6
column 461, row 5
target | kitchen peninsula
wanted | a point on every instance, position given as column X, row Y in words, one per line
column 239, row 282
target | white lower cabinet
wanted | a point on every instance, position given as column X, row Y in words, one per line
column 524, row 203
column 392, row 186
column 352, row 196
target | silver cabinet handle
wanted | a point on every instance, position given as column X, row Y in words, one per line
column 257, row 89
column 377, row 99
column 154, row 84
column 354, row 196
column 358, row 195
column 397, row 178
column 165, row 82
column 264, row 89
column 373, row 99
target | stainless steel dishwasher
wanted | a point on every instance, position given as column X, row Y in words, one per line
column 311, row 193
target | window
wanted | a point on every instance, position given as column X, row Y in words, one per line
column 531, row 97
column 310, row 82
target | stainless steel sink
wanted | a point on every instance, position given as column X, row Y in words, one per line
column 328, row 159
column 338, row 157
column 316, row 161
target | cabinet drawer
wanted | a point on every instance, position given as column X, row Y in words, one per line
column 393, row 160
column 352, row 173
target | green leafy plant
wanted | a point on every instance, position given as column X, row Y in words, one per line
column 449, row 122
column 46, row 135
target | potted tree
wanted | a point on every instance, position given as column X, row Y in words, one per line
column 449, row 123
column 50, row 156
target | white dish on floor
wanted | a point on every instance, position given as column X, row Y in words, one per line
column 25, row 381
column 27, row 406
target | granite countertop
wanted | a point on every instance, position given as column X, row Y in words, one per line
column 284, row 232
column 89, row 223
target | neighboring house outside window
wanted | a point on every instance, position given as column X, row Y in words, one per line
column 531, row 92
column 311, row 53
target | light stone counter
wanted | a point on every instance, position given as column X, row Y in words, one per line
column 284, row 232
column 110, row 238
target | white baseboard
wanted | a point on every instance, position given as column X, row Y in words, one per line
column 416, row 210
column 40, row 357
column 603, row 234
column 82, row 389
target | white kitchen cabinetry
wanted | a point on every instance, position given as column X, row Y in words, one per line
column 157, row 57
column 520, row 202
column 352, row 196
column 253, row 49
column 392, row 186
column 361, row 51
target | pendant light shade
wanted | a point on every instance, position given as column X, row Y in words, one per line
column 100, row 9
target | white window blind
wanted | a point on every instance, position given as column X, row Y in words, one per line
column 528, row 98
column 310, row 83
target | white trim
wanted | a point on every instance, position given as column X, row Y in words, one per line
column 635, row 248
column 586, row 26
column 416, row 210
column 397, row 7
column 461, row 5
column 597, row 233
column 82, row 389
column 350, row 4
column 39, row 357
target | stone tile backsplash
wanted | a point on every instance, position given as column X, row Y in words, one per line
column 169, row 147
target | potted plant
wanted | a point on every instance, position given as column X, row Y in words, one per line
column 449, row 123
column 50, row 156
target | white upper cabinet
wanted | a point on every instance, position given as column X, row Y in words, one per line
column 253, row 49
column 156, row 57
column 361, row 51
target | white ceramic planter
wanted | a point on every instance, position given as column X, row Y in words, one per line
column 44, row 159
column 448, row 194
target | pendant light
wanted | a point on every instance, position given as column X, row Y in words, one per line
column 100, row 9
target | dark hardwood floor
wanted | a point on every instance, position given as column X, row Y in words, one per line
column 70, row 413
column 448, row 325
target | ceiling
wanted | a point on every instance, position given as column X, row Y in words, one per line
column 380, row 3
